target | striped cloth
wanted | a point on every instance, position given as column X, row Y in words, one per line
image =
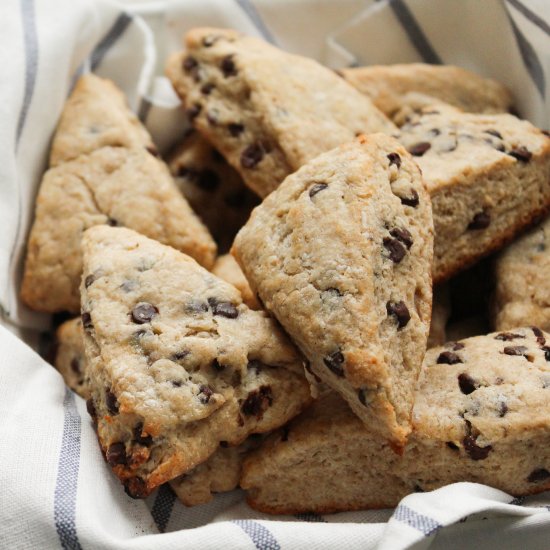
column 56, row 490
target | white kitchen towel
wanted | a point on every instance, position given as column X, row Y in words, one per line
column 55, row 489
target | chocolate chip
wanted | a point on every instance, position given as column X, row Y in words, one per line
column 481, row 220
column 521, row 153
column 540, row 474
column 225, row 309
column 466, row 383
column 317, row 188
column 400, row 311
column 418, row 489
column 176, row 383
column 217, row 366
column 88, row 281
column 145, row 440
column 455, row 346
column 224, row 444
column 189, row 63
column 394, row 158
column 111, row 401
column 546, row 350
column 516, row 350
column 87, row 321
column 143, row 312
column 502, row 409
column 90, row 407
column 207, row 88
column 418, row 149
column 507, row 336
column 193, row 111
column 395, row 248
column 135, row 487
column 448, row 358
column 112, row 222
column 413, row 200
column 362, row 395
column 179, row 355
column 228, row 66
column 208, row 180
column 116, row 454
column 452, row 446
column 257, row 402
column 205, row 393
column 235, row 129
column 252, row 155
column 473, row 450
column 335, row 362
column 494, row 133
column 402, row 235
column 540, row 335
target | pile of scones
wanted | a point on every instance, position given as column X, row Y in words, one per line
column 308, row 366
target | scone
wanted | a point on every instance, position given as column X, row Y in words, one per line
column 176, row 362
column 267, row 111
column 488, row 178
column 522, row 285
column 70, row 359
column 227, row 268
column 393, row 87
column 481, row 414
column 114, row 186
column 219, row 474
column 212, row 187
column 96, row 115
column 341, row 254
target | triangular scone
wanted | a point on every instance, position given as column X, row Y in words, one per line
column 115, row 186
column 341, row 253
column 96, row 115
column 488, row 177
column 176, row 362
column 267, row 111
column 481, row 414
column 393, row 87
column 522, row 293
column 214, row 189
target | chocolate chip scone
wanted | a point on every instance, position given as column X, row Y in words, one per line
column 268, row 112
column 481, row 414
column 522, row 288
column 488, row 178
column 176, row 362
column 219, row 474
column 213, row 188
column 391, row 87
column 341, row 254
column 70, row 359
column 96, row 115
column 228, row 269
column 115, row 186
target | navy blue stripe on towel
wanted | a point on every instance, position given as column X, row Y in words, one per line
column 66, row 485
column 31, row 61
column 528, row 14
column 250, row 9
column 162, row 507
column 262, row 537
column 105, row 44
column 530, row 58
column 415, row 33
column 420, row 522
